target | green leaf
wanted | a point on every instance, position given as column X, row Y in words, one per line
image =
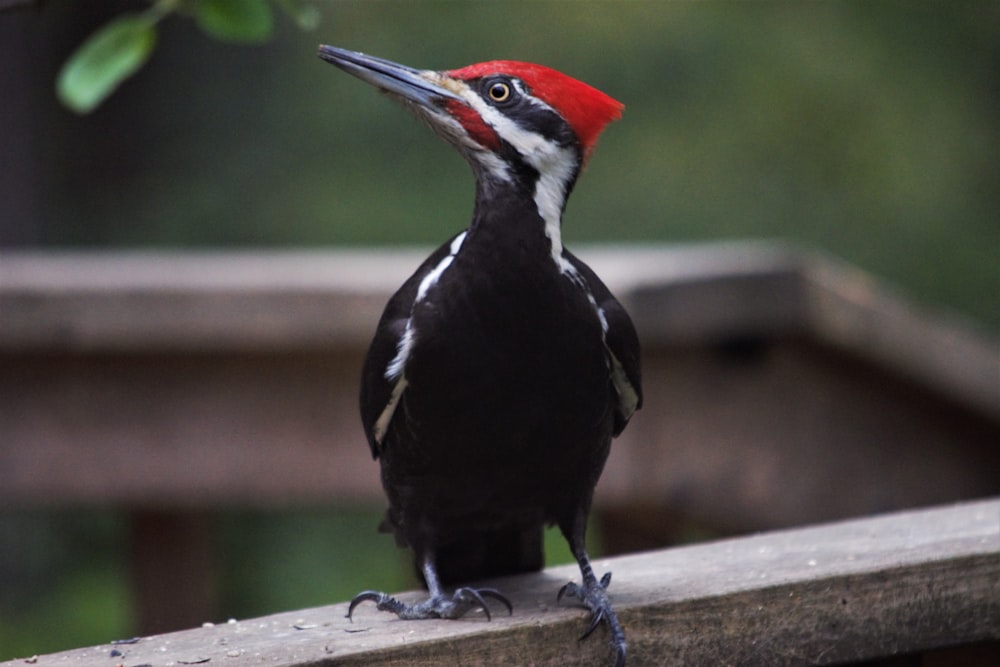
column 104, row 60
column 235, row 20
column 305, row 15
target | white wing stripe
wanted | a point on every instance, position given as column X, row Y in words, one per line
column 394, row 371
column 395, row 368
column 382, row 423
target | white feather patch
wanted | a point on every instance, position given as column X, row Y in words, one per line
column 456, row 243
column 382, row 423
column 628, row 397
column 431, row 278
column 395, row 368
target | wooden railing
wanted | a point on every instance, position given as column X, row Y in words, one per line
column 862, row 590
column 139, row 378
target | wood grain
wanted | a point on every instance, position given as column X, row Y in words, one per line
column 848, row 591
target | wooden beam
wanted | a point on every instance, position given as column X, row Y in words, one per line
column 136, row 300
column 174, row 582
column 138, row 378
column 849, row 591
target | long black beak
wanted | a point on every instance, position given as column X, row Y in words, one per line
column 420, row 86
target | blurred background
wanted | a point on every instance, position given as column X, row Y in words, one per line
column 868, row 130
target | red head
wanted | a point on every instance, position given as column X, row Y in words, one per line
column 511, row 120
column 586, row 109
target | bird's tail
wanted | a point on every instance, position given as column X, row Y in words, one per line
column 493, row 553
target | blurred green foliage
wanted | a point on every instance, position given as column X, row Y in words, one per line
column 108, row 57
column 866, row 129
column 869, row 130
column 63, row 581
column 118, row 49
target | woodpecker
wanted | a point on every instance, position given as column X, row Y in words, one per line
column 502, row 368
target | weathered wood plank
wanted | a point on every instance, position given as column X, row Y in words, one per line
column 136, row 378
column 80, row 301
column 847, row 591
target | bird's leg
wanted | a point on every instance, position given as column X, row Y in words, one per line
column 592, row 593
column 438, row 605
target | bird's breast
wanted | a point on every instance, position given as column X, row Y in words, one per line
column 515, row 358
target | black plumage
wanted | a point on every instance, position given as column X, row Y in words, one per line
column 503, row 367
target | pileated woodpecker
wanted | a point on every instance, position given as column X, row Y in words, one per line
column 502, row 368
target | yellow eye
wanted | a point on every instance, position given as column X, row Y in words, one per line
column 499, row 92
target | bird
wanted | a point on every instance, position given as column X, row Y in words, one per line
column 502, row 368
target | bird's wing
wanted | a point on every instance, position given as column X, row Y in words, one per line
column 622, row 344
column 380, row 393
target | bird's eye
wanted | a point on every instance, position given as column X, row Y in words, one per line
column 499, row 91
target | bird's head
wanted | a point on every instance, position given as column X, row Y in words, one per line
column 513, row 121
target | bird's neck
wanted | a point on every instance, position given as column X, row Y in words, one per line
column 524, row 210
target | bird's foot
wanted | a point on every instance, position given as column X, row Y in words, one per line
column 459, row 604
column 594, row 596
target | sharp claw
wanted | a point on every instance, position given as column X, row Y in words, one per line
column 593, row 596
column 499, row 597
column 363, row 596
column 595, row 620
column 466, row 593
column 570, row 589
column 479, row 596
column 620, row 655
column 461, row 602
